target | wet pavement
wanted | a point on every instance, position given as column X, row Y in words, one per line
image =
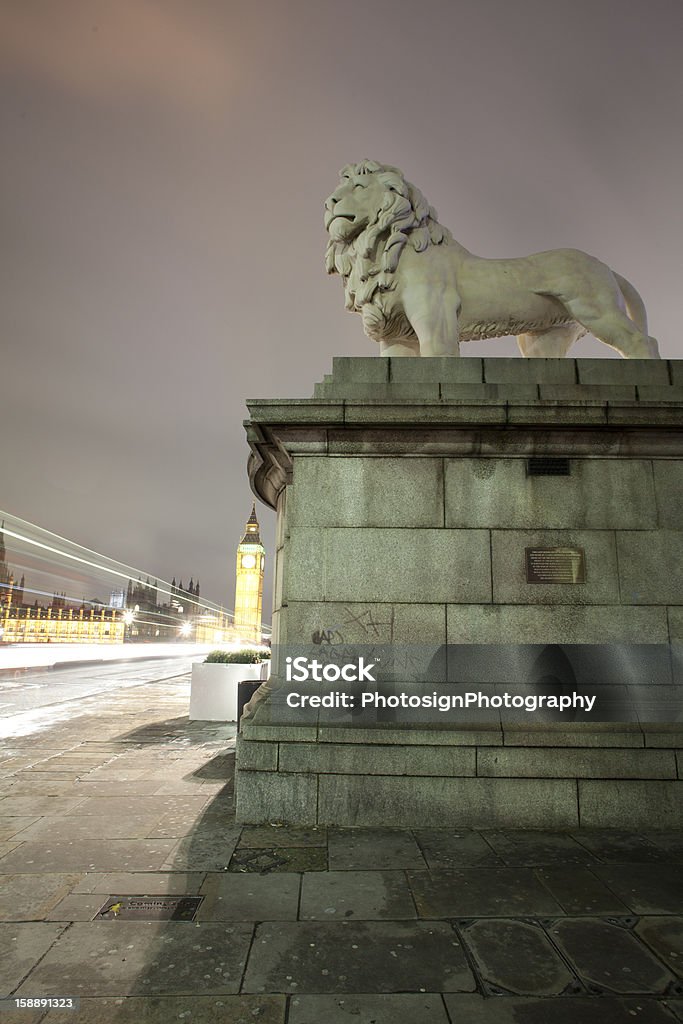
column 123, row 797
column 34, row 699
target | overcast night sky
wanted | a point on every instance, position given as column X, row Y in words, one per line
column 164, row 166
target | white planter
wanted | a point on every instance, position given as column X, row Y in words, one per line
column 213, row 691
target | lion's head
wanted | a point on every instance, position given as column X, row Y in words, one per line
column 370, row 217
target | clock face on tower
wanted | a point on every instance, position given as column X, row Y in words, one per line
column 248, row 561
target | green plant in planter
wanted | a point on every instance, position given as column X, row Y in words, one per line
column 244, row 656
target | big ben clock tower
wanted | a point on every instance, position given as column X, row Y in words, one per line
column 249, row 582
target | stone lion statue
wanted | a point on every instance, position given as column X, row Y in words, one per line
column 420, row 292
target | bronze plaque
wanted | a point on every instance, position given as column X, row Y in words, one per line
column 150, row 908
column 555, row 565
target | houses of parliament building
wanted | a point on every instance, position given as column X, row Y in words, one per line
column 147, row 611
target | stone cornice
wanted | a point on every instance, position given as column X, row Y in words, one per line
column 582, row 408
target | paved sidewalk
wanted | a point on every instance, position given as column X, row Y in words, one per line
column 306, row 926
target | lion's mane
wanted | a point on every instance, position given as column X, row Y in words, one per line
column 368, row 263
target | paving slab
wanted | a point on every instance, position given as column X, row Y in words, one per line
column 522, row 847
column 68, row 827
column 11, row 826
column 217, row 804
column 676, row 1007
column 445, row 848
column 141, row 883
column 665, row 936
column 281, row 858
column 205, row 850
column 481, row 892
column 181, row 824
column 87, row 758
column 366, row 956
column 670, row 842
column 123, row 805
column 6, row 848
column 180, row 788
column 380, row 1009
column 21, row 947
column 43, row 773
column 513, row 956
column 15, row 1016
column 77, row 907
column 214, row 788
column 88, row 855
column 362, row 895
column 250, row 897
column 355, row 849
column 11, row 806
column 91, row 787
column 116, row 958
column 216, row 768
column 618, row 847
column 23, row 785
column 18, row 760
column 220, row 818
column 162, row 1009
column 610, row 957
column 117, row 775
column 31, row 897
column 579, row 891
column 475, row 1009
column 643, row 888
column 183, row 769
column 264, row 836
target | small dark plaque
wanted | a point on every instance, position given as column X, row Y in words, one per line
column 555, row 565
column 548, row 466
column 150, row 908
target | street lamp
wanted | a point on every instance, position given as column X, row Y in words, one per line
column 128, row 619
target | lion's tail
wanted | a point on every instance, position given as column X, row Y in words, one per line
column 635, row 307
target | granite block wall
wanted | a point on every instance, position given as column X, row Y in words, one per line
column 405, row 506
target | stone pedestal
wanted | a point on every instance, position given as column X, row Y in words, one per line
column 406, row 502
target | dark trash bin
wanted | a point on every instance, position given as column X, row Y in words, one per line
column 245, row 691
